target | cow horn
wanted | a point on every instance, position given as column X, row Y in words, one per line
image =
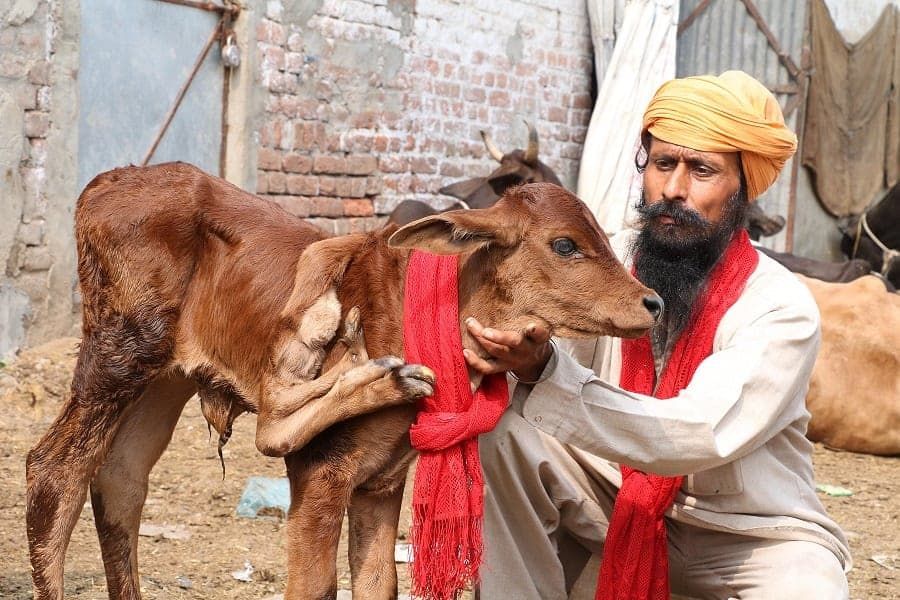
column 491, row 148
column 531, row 154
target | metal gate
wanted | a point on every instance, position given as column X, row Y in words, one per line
column 150, row 89
column 765, row 38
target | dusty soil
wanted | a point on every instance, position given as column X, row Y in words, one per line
column 187, row 491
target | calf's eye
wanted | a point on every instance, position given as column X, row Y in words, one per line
column 564, row 246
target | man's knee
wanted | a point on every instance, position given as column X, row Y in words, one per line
column 801, row 570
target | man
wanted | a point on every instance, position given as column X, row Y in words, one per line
column 698, row 479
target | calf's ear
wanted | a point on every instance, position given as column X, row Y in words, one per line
column 460, row 231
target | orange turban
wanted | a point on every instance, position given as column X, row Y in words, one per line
column 730, row 113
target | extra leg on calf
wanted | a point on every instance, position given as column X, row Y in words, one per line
column 119, row 489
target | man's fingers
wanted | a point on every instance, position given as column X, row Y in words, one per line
column 537, row 333
column 497, row 336
column 479, row 364
column 495, row 350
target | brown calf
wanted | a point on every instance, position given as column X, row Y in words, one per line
column 192, row 285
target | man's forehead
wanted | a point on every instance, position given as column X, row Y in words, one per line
column 661, row 148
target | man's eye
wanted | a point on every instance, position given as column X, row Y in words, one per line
column 564, row 246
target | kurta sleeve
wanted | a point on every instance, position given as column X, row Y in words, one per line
column 750, row 388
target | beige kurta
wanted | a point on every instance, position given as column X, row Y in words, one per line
column 737, row 431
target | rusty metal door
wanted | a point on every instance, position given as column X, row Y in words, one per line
column 150, row 88
column 767, row 39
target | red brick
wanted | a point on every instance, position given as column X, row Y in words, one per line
column 26, row 97
column 270, row 33
column 262, row 182
column 341, row 186
column 499, row 98
column 302, row 185
column 393, row 164
column 277, row 183
column 557, row 114
column 423, row 164
column 361, row 164
column 268, row 159
column 380, row 143
column 334, row 165
column 39, row 74
column 374, row 185
column 358, row 187
column 446, row 89
column 358, row 208
column 308, row 135
column 365, row 120
column 474, row 94
column 449, row 169
column 326, row 207
column 328, row 186
column 37, row 124
column 273, row 57
column 297, row 163
column 296, row 205
column 581, row 101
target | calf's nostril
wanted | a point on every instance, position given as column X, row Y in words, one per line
column 655, row 305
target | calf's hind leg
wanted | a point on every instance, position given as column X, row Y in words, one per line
column 115, row 363
column 119, row 489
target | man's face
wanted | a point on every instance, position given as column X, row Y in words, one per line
column 696, row 182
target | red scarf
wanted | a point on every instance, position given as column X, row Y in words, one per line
column 448, row 490
column 635, row 562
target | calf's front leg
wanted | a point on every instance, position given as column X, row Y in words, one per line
column 293, row 412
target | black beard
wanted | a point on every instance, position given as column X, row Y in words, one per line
column 675, row 259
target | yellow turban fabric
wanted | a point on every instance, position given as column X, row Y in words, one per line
column 730, row 113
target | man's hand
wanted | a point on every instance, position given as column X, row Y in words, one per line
column 525, row 353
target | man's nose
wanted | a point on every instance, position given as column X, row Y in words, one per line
column 677, row 184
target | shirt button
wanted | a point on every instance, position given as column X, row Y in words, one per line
column 537, row 419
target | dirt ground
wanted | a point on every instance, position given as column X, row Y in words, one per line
column 187, row 491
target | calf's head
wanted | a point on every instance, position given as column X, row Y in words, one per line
column 538, row 255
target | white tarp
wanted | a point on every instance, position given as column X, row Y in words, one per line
column 642, row 59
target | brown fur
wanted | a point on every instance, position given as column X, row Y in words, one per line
column 190, row 284
column 854, row 391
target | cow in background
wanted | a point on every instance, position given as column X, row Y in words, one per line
column 854, row 392
column 516, row 167
column 875, row 236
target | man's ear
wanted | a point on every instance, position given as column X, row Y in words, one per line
column 461, row 231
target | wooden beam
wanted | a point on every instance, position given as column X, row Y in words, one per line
column 783, row 56
column 693, row 16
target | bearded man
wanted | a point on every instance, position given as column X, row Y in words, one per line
column 679, row 457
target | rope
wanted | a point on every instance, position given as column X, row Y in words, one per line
column 887, row 254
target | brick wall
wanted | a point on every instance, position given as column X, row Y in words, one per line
column 36, row 153
column 370, row 102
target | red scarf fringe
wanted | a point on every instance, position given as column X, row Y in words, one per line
column 448, row 489
column 635, row 562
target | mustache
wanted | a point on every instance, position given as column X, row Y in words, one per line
column 675, row 210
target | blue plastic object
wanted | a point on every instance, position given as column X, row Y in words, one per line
column 264, row 493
